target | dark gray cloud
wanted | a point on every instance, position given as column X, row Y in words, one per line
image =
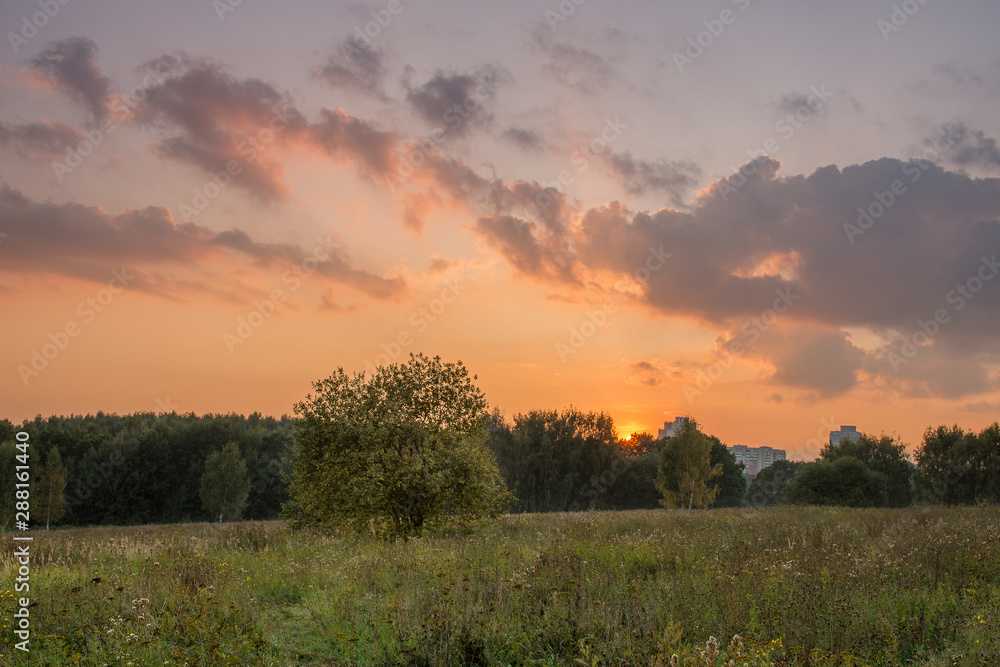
column 533, row 254
column 209, row 118
column 42, row 139
column 355, row 65
column 528, row 140
column 749, row 240
column 799, row 102
column 672, row 178
column 456, row 102
column 965, row 146
column 87, row 243
column 352, row 140
column 71, row 65
column 958, row 74
column 212, row 118
column 824, row 362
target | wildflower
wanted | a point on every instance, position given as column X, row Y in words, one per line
column 711, row 651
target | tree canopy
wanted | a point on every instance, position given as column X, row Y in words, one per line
column 686, row 469
column 884, row 454
column 769, row 484
column 394, row 452
column 844, row 481
column 224, row 485
column 730, row 484
column 959, row 467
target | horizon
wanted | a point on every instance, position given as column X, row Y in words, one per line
column 719, row 211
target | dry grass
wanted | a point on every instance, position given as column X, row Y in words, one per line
column 800, row 586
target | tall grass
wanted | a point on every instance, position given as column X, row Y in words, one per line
column 799, row 586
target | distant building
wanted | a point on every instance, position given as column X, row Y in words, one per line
column 755, row 458
column 845, row 432
column 670, row 429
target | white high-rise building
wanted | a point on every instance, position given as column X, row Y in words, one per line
column 669, row 429
column 845, row 432
column 755, row 459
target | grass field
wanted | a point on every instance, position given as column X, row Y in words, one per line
column 799, row 586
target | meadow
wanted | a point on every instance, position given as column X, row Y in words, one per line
column 779, row 586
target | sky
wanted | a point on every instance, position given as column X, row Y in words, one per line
column 773, row 217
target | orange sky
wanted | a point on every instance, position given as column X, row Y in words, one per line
column 207, row 213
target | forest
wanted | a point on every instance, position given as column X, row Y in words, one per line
column 145, row 468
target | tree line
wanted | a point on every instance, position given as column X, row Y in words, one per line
column 146, row 468
column 417, row 441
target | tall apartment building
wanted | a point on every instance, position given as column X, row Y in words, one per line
column 845, row 433
column 670, row 429
column 755, row 458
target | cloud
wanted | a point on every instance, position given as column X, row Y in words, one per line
column 965, row 146
column 42, row 139
column 575, row 67
column 352, row 140
column 533, row 255
column 671, row 178
column 440, row 265
column 71, row 66
column 87, row 243
column 748, row 243
column 958, row 74
column 824, row 362
column 528, row 140
column 644, row 373
column 211, row 119
column 355, row 65
column 456, row 102
column 799, row 102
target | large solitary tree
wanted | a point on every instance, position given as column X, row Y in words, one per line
column 394, row 452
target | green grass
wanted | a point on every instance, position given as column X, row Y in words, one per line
column 800, row 586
